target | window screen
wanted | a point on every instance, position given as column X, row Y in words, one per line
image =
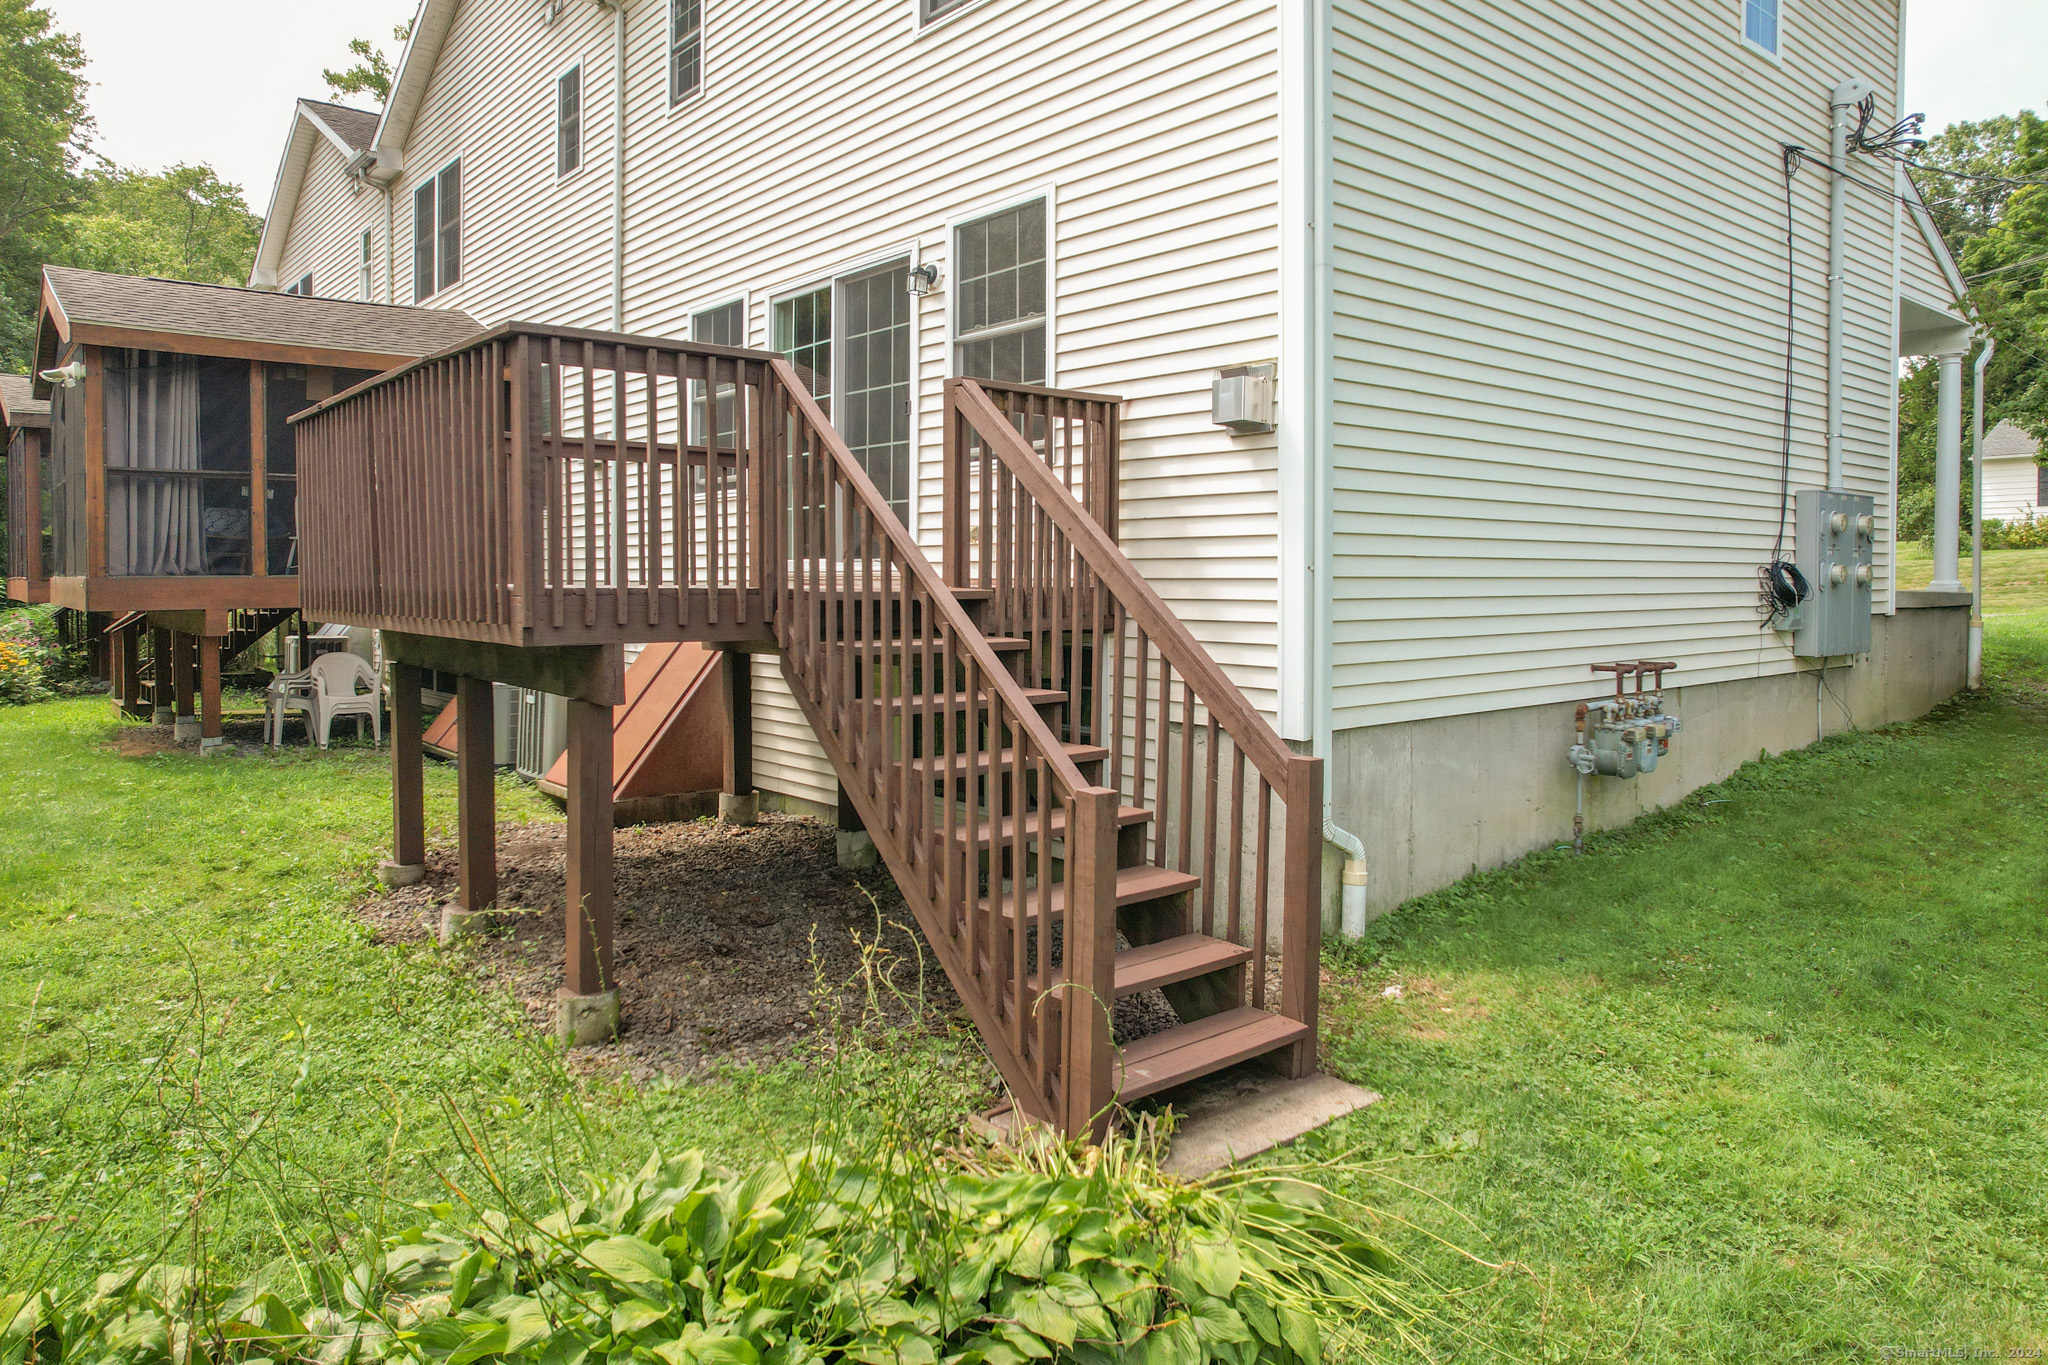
column 363, row 281
column 1000, row 295
column 423, row 241
column 569, row 121
column 725, row 325
column 803, row 332
column 1760, row 23
column 449, row 215
column 685, row 49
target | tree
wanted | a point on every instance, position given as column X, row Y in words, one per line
column 44, row 131
column 371, row 75
column 185, row 223
column 1998, row 231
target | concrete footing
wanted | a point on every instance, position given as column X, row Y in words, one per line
column 739, row 810
column 457, row 925
column 186, row 730
column 586, row 1020
column 163, row 715
column 395, row 875
column 857, row 850
column 1241, row 1113
column 210, row 747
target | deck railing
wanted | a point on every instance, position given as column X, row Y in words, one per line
column 1075, row 434
column 1233, row 804
column 542, row 486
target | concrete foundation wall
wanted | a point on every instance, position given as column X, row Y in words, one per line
column 1434, row 800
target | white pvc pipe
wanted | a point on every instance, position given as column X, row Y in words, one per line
column 1948, row 472
column 1352, row 909
column 1977, row 517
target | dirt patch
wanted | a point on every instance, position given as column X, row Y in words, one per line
column 244, row 739
column 732, row 945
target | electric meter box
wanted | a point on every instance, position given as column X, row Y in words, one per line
column 1835, row 535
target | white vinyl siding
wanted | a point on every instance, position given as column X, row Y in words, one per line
column 324, row 239
column 2011, row 487
column 1559, row 341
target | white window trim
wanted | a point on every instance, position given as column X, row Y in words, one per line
column 1742, row 33
column 742, row 298
column 562, row 177
column 668, row 49
column 921, row 25
column 461, row 232
column 1052, row 257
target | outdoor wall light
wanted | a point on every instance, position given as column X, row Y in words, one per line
column 70, row 376
column 923, row 279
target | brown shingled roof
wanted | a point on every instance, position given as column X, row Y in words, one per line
column 87, row 298
column 357, row 127
column 19, row 406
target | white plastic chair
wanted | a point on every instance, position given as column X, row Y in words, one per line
column 288, row 692
column 335, row 678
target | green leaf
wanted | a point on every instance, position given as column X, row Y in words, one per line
column 628, row 1260
column 483, row 1341
column 1174, row 1343
column 1215, row 1321
column 462, row 1277
column 724, row 1351
column 1214, row 1266
column 1258, row 1314
column 1045, row 1315
column 707, row 1228
column 1300, row 1332
column 526, row 1324
column 634, row 1315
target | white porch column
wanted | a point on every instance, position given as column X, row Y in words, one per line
column 1948, row 472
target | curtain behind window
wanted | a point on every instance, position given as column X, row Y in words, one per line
column 154, row 525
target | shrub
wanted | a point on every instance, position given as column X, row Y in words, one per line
column 31, row 662
column 2027, row 531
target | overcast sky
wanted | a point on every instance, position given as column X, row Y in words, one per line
column 214, row 80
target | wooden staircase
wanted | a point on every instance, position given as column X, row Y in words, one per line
column 1051, row 766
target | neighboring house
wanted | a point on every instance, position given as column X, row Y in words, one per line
column 25, row 422
column 1521, row 269
column 2014, row 482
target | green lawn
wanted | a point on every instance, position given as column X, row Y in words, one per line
column 143, row 897
column 1758, row 1079
column 2014, row 580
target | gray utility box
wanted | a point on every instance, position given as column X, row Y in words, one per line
column 1836, row 541
column 543, row 732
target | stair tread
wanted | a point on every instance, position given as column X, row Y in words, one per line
column 1133, row 886
column 956, row 764
column 1037, row 696
column 1005, row 828
column 1001, row 644
column 1149, row 966
column 1178, row 1055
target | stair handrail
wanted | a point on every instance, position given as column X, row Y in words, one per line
column 1246, row 726
column 1084, row 1069
column 1297, row 778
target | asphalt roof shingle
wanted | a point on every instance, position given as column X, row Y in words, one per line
column 2006, row 441
column 357, row 127
column 226, row 313
column 18, row 402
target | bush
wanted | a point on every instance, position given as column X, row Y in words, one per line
column 33, row 660
column 2028, row 531
column 995, row 1255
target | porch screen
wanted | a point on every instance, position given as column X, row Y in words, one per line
column 177, row 460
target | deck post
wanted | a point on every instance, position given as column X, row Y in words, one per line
column 587, row 1008
column 163, row 685
column 1301, row 910
column 183, row 668
column 476, row 796
column 1088, row 1068
column 408, row 864
column 739, row 803
column 856, row 845
column 121, row 646
column 209, row 694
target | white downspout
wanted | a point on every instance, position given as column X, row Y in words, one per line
column 1977, row 518
column 1842, row 105
column 618, row 8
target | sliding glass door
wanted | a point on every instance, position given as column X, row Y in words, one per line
column 850, row 342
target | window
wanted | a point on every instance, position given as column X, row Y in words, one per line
column 569, row 120
column 999, row 295
column 363, row 280
column 928, row 10
column 303, row 285
column 685, row 49
column 437, row 232
column 178, row 462
column 725, row 325
column 850, row 343
column 803, row 333
column 1760, row 24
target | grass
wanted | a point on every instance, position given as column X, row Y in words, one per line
column 144, row 897
column 1760, row 1078
column 2014, row 580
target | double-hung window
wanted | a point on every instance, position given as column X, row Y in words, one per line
column 928, row 10
column 725, row 325
column 1760, row 24
column 569, row 120
column 685, row 49
column 1000, row 291
column 363, row 280
column 437, row 232
column 303, row 285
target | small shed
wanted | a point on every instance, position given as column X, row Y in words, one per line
column 2014, row 481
